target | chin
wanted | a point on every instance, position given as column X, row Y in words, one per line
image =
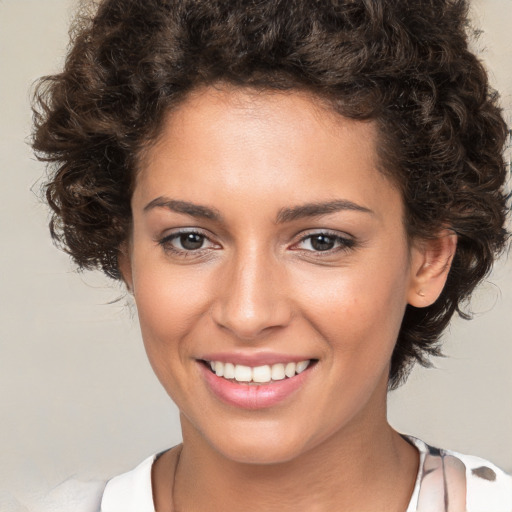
column 259, row 453
column 256, row 444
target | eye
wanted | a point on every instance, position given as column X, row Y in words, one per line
column 190, row 241
column 325, row 242
column 184, row 242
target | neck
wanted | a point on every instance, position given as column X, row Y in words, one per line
column 359, row 468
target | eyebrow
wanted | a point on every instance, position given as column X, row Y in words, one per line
column 318, row 209
column 192, row 209
column 284, row 215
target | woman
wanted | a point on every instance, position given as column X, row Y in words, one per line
column 299, row 195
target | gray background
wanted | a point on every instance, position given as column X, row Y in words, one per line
column 77, row 394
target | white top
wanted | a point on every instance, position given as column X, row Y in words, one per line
column 442, row 477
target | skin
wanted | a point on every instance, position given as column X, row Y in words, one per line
column 259, row 286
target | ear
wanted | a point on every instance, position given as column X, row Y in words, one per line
column 431, row 260
column 124, row 264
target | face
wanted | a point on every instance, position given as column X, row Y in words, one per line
column 266, row 241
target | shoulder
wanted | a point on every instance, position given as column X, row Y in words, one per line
column 130, row 491
column 448, row 476
column 133, row 491
column 488, row 486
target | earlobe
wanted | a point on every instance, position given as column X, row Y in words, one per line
column 431, row 261
column 125, row 266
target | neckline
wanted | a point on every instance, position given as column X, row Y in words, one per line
column 133, row 491
column 416, row 443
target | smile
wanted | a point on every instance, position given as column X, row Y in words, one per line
column 256, row 386
column 257, row 374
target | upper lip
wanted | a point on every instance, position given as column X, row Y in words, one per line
column 254, row 359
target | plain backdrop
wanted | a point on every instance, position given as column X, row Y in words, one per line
column 78, row 397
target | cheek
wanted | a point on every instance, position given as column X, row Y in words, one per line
column 168, row 298
column 164, row 317
column 357, row 308
column 169, row 306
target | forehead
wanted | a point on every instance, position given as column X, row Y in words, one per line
column 292, row 113
column 274, row 146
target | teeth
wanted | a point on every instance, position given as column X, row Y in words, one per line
column 261, row 374
column 258, row 374
column 278, row 372
column 289, row 369
column 219, row 369
column 242, row 373
column 300, row 367
column 229, row 371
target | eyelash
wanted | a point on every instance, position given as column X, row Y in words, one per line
column 344, row 243
column 166, row 243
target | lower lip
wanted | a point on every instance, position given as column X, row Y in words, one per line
column 253, row 396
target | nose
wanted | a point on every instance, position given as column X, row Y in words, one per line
column 251, row 300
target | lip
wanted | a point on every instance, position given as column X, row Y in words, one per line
column 253, row 396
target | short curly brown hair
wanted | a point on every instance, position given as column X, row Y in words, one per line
column 406, row 65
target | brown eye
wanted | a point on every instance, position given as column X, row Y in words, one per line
column 325, row 243
column 186, row 243
column 191, row 241
column 322, row 242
